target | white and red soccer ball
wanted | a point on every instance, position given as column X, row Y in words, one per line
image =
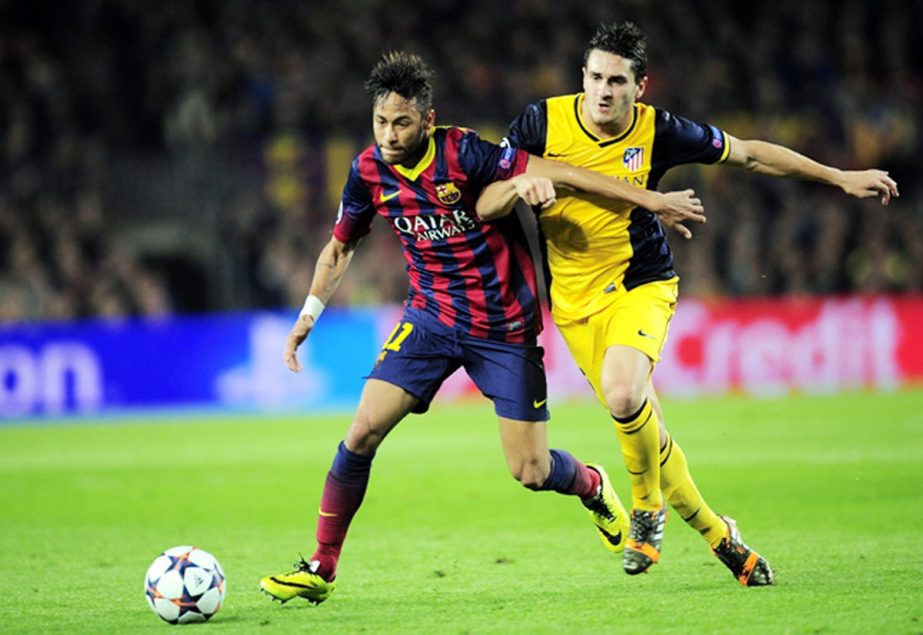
column 184, row 584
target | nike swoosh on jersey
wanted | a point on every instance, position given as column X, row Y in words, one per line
column 538, row 404
column 326, row 514
column 384, row 198
column 643, row 334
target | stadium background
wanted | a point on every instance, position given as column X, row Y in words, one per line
column 180, row 165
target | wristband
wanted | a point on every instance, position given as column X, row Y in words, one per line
column 313, row 307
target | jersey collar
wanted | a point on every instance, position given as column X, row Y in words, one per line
column 578, row 113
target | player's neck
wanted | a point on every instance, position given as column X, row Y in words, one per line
column 613, row 129
column 418, row 154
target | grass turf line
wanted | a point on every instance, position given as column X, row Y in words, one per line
column 827, row 488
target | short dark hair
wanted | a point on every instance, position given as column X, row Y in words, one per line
column 405, row 74
column 624, row 40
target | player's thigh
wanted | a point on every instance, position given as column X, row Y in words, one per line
column 635, row 335
column 381, row 407
column 624, row 378
column 636, row 319
column 416, row 359
column 509, row 374
column 640, row 319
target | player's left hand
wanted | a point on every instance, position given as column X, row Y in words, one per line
column 869, row 183
column 674, row 208
column 535, row 190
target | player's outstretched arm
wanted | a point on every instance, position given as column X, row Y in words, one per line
column 331, row 264
column 763, row 157
column 537, row 184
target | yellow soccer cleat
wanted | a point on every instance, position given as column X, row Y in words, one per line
column 303, row 582
column 607, row 513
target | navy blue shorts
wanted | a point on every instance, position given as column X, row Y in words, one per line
column 421, row 353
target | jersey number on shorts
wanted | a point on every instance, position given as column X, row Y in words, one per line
column 398, row 335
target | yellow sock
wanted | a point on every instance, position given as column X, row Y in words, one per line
column 639, row 439
column 684, row 497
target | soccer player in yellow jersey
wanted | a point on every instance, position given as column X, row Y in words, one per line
column 613, row 287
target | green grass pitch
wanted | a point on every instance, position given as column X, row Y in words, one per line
column 830, row 489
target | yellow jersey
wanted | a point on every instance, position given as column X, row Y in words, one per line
column 594, row 246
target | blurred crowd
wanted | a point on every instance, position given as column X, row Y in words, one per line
column 182, row 157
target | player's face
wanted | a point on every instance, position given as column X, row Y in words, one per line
column 611, row 89
column 400, row 129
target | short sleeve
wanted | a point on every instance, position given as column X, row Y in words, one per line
column 678, row 140
column 529, row 130
column 485, row 162
column 356, row 212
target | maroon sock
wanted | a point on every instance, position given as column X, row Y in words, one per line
column 570, row 476
column 587, row 481
column 343, row 494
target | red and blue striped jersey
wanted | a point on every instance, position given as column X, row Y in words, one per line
column 476, row 277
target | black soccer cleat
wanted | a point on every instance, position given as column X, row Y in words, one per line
column 749, row 567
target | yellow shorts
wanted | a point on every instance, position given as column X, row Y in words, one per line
column 638, row 318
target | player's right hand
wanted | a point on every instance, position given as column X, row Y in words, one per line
column 677, row 207
column 296, row 337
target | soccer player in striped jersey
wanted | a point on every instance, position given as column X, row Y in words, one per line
column 613, row 287
column 471, row 303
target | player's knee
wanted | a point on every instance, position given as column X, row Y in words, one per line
column 623, row 398
column 363, row 436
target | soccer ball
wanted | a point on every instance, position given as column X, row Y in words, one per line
column 184, row 584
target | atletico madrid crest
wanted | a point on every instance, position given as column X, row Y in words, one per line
column 448, row 193
column 633, row 159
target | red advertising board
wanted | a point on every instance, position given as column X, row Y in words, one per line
column 774, row 346
column 769, row 347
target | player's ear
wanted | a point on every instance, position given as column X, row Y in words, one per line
column 429, row 120
column 642, row 86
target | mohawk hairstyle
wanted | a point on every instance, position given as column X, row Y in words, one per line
column 624, row 40
column 405, row 74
